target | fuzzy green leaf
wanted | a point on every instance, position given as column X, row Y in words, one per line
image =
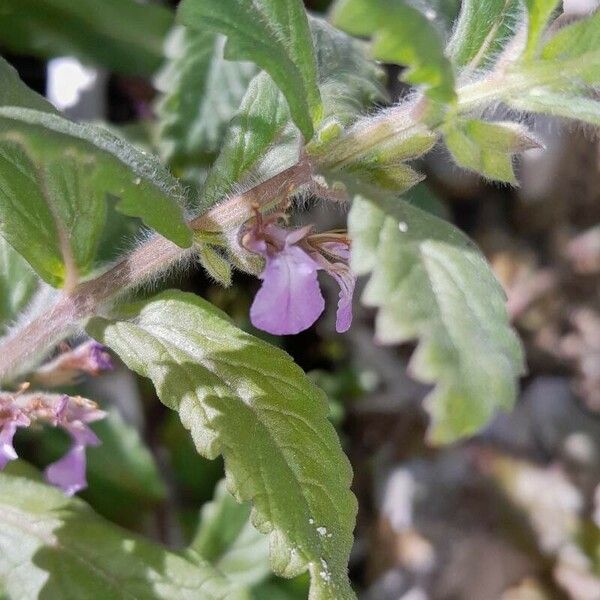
column 201, row 93
column 55, row 547
column 482, row 30
column 402, row 35
column 488, row 148
column 429, row 282
column 539, row 13
column 226, row 539
column 14, row 92
column 55, row 175
column 276, row 36
column 122, row 35
column 247, row 400
column 556, row 104
column 18, row 283
column 216, row 265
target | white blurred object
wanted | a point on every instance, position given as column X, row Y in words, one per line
column 575, row 7
column 75, row 89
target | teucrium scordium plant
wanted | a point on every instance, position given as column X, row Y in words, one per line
column 306, row 126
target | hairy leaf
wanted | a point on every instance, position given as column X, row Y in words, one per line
column 56, row 547
column 482, row 30
column 429, row 282
column 227, row 539
column 488, row 148
column 202, row 91
column 122, row 35
column 539, row 13
column 216, row 265
column 55, row 175
column 548, row 102
column 17, row 284
column 243, row 398
column 402, row 35
column 275, row 35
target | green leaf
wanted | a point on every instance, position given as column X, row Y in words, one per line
column 575, row 50
column 404, row 36
column 243, row 398
column 552, row 103
column 14, row 92
column 55, row 547
column 55, row 175
column 202, row 91
column 18, row 283
column 539, row 13
column 488, row 148
column 429, row 282
column 261, row 141
column 216, row 265
column 349, row 80
column 226, row 539
column 482, row 30
column 122, row 35
column 276, row 36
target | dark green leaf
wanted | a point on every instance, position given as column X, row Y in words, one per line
column 243, row 398
column 275, row 35
column 122, row 35
column 14, row 92
column 56, row 548
column 202, row 91
column 404, row 36
column 429, row 282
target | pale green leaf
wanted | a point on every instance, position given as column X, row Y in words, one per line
column 430, row 283
column 539, row 13
column 122, row 35
column 243, row 398
column 488, row 148
column 556, row 104
column 55, row 175
column 55, row 547
column 226, row 539
column 482, row 30
column 201, row 93
column 13, row 92
column 18, row 283
column 404, row 36
column 261, row 141
column 276, row 36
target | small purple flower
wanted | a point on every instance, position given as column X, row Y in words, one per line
column 11, row 417
column 290, row 298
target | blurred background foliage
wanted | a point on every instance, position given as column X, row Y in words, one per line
column 510, row 514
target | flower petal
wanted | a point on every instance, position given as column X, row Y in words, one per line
column 290, row 299
column 346, row 280
column 7, row 451
column 68, row 473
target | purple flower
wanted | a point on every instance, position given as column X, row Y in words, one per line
column 72, row 415
column 11, row 417
column 290, row 298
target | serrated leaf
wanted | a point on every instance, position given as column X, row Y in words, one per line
column 243, row 398
column 539, row 13
column 216, row 265
column 18, row 283
column 488, row 148
column 202, row 92
column 404, row 36
column 275, row 35
column 227, row 540
column 14, row 92
column 122, row 35
column 556, row 104
column 430, row 283
column 55, row 175
column 482, row 30
column 55, row 547
column 261, row 141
